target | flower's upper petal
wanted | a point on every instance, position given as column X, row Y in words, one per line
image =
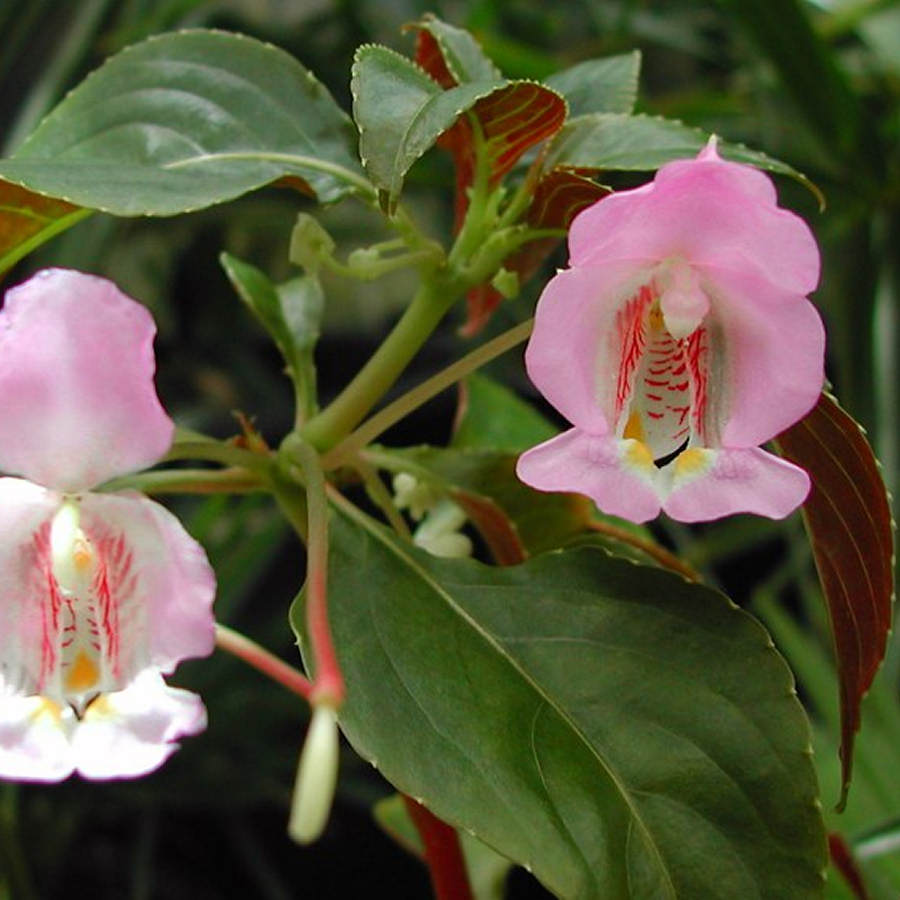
column 131, row 732
column 28, row 604
column 708, row 484
column 619, row 476
column 579, row 347
column 707, row 212
column 160, row 583
column 34, row 739
column 77, row 401
column 768, row 357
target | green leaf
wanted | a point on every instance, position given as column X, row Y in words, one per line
column 848, row 518
column 451, row 55
column 607, row 85
column 487, row 868
column 291, row 313
column 185, row 120
column 27, row 220
column 621, row 732
column 492, row 417
column 608, row 141
column 401, row 112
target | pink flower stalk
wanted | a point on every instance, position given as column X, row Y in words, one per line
column 102, row 593
column 678, row 341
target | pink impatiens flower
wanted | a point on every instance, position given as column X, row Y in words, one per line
column 678, row 341
column 101, row 593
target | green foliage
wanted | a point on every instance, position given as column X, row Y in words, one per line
column 186, row 120
column 606, row 85
column 580, row 714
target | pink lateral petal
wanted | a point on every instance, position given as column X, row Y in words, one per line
column 27, row 631
column 708, row 484
column 575, row 352
column 619, row 476
column 162, row 585
column 131, row 732
column 34, row 739
column 774, row 347
column 77, row 400
column 706, row 212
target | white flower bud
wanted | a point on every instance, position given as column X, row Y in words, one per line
column 316, row 777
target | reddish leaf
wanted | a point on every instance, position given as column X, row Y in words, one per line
column 28, row 219
column 495, row 527
column 558, row 198
column 848, row 519
column 842, row 859
column 431, row 58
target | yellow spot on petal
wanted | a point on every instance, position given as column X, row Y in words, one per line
column 99, row 708
column 48, row 709
column 638, row 454
column 692, row 461
column 83, row 674
column 82, row 556
column 634, row 427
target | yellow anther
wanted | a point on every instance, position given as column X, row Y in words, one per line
column 82, row 555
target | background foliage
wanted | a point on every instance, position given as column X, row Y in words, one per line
column 816, row 85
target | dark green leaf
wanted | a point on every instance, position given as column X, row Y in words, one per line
column 608, row 141
column 621, row 732
column 400, row 112
column 451, row 55
column 607, row 85
column 492, row 417
column 848, row 518
column 186, row 120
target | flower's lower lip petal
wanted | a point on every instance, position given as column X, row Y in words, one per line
column 619, row 476
column 164, row 605
column 34, row 742
column 77, row 401
column 708, row 484
column 131, row 732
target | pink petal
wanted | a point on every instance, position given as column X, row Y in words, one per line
column 27, row 635
column 619, row 476
column 706, row 212
column 773, row 350
column 161, row 583
column 132, row 732
column 34, row 739
column 708, row 484
column 77, row 401
column 574, row 356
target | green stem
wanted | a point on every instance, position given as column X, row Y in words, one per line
column 376, row 377
column 216, row 451
column 413, row 399
column 328, row 684
column 381, row 497
column 189, row 481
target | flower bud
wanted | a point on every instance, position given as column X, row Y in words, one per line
column 316, row 777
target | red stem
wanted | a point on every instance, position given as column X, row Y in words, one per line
column 443, row 854
column 250, row 652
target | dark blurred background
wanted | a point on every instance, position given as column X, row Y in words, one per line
column 815, row 84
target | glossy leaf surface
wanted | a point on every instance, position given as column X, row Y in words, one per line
column 185, row 120
column 581, row 715
column 848, row 518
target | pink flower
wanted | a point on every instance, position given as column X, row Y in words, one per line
column 679, row 341
column 100, row 593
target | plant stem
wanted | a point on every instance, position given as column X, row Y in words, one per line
column 189, row 481
column 328, row 684
column 375, row 378
column 262, row 660
column 443, row 853
column 651, row 548
column 402, row 406
column 381, row 496
column 218, row 451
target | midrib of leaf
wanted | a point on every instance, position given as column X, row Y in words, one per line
column 411, row 563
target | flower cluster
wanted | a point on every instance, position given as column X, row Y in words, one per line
column 678, row 341
column 102, row 593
